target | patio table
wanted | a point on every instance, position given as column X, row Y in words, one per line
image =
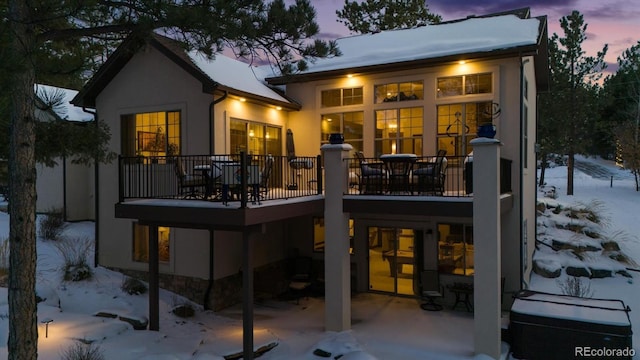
column 399, row 168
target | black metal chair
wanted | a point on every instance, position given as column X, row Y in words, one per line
column 190, row 185
column 429, row 176
column 373, row 175
column 430, row 290
column 260, row 190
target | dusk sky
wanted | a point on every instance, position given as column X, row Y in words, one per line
column 613, row 22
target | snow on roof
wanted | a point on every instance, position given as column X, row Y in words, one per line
column 235, row 74
column 431, row 41
column 65, row 110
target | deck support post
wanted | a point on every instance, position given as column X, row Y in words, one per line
column 337, row 263
column 486, row 237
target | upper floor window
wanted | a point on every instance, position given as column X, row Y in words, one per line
column 404, row 91
column 465, row 85
column 399, row 131
column 341, row 97
column 151, row 134
column 350, row 124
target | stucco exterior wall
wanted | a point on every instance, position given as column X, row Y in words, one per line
column 151, row 82
column 49, row 187
column 80, row 192
column 507, row 83
column 529, row 174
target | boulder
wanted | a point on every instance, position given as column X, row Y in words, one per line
column 600, row 273
column 546, row 269
column 577, row 271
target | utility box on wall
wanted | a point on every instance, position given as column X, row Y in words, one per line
column 549, row 326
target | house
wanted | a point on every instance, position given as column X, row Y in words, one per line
column 413, row 91
column 66, row 186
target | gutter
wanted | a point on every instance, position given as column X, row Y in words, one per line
column 96, row 194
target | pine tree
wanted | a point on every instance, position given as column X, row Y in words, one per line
column 38, row 32
column 373, row 16
column 622, row 92
column 573, row 92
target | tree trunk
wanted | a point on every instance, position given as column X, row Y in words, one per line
column 570, row 162
column 23, row 327
column 543, row 167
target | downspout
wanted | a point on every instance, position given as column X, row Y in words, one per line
column 523, row 250
column 207, row 294
column 212, row 116
column 64, row 188
column 96, row 195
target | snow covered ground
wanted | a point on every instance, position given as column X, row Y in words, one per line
column 383, row 327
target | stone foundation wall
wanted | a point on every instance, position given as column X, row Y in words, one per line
column 269, row 281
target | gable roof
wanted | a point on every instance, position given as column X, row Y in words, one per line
column 221, row 73
column 64, row 110
column 506, row 34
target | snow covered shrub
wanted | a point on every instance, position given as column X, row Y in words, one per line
column 574, row 286
column 592, row 211
column 133, row 286
column 75, row 252
column 81, row 351
column 52, row 225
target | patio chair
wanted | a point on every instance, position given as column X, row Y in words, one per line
column 260, row 190
column 189, row 185
column 372, row 175
column 430, row 290
column 429, row 176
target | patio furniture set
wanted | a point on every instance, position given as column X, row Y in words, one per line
column 222, row 179
column 401, row 174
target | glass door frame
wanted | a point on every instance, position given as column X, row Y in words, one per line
column 379, row 261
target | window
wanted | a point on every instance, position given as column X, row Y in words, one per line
column 318, row 235
column 405, row 91
column 151, row 134
column 255, row 138
column 399, row 131
column 455, row 249
column 464, row 85
column 341, row 97
column 350, row 124
column 458, row 124
column 141, row 243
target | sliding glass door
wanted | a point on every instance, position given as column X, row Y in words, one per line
column 392, row 260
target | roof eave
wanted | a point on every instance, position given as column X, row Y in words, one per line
column 260, row 100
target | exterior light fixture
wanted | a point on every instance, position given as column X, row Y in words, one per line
column 243, row 99
column 46, row 323
column 349, row 76
column 278, row 108
column 462, row 62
